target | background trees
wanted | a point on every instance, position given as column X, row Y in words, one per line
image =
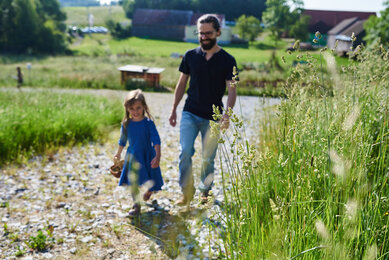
column 279, row 18
column 248, row 27
column 299, row 30
column 32, row 26
column 377, row 28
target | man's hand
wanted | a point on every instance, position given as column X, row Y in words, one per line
column 225, row 122
column 173, row 118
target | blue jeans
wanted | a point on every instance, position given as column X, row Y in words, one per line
column 190, row 127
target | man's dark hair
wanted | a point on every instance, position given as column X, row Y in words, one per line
column 209, row 18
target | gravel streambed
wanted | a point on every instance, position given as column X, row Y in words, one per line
column 82, row 214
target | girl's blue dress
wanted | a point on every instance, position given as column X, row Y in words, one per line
column 141, row 136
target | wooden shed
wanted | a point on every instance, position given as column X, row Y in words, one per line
column 151, row 75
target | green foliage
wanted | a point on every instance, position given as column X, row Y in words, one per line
column 5, row 228
column 33, row 122
column 377, row 28
column 117, row 30
column 278, row 17
column 31, row 26
column 38, row 242
column 315, row 186
column 128, row 7
column 248, row 27
column 20, row 252
column 299, row 30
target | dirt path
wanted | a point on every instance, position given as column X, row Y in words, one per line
column 73, row 195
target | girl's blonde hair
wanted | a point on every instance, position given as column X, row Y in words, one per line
column 131, row 98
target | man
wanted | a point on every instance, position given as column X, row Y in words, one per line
column 210, row 69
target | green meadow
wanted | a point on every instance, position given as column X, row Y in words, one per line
column 96, row 58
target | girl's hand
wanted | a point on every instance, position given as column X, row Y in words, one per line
column 155, row 162
column 116, row 158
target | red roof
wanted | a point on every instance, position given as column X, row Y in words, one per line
column 329, row 19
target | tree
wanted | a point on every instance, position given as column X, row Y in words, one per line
column 117, row 30
column 300, row 30
column 32, row 26
column 23, row 34
column 248, row 27
column 278, row 17
column 128, row 7
column 377, row 28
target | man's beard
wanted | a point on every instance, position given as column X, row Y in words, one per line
column 209, row 45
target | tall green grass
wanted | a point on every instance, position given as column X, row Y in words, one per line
column 316, row 184
column 33, row 122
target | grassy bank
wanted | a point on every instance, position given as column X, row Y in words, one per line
column 316, row 184
column 40, row 121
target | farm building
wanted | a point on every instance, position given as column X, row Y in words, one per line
column 323, row 20
column 173, row 25
column 343, row 35
column 161, row 24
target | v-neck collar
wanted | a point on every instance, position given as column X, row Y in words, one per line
column 204, row 54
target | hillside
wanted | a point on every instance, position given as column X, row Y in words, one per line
column 78, row 16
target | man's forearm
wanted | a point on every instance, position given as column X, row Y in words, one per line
column 178, row 94
column 180, row 90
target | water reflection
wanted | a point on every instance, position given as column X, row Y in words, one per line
column 170, row 231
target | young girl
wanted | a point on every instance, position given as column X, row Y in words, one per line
column 144, row 150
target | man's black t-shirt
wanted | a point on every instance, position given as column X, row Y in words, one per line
column 207, row 80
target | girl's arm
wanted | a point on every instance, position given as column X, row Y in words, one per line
column 157, row 158
column 118, row 153
column 122, row 143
